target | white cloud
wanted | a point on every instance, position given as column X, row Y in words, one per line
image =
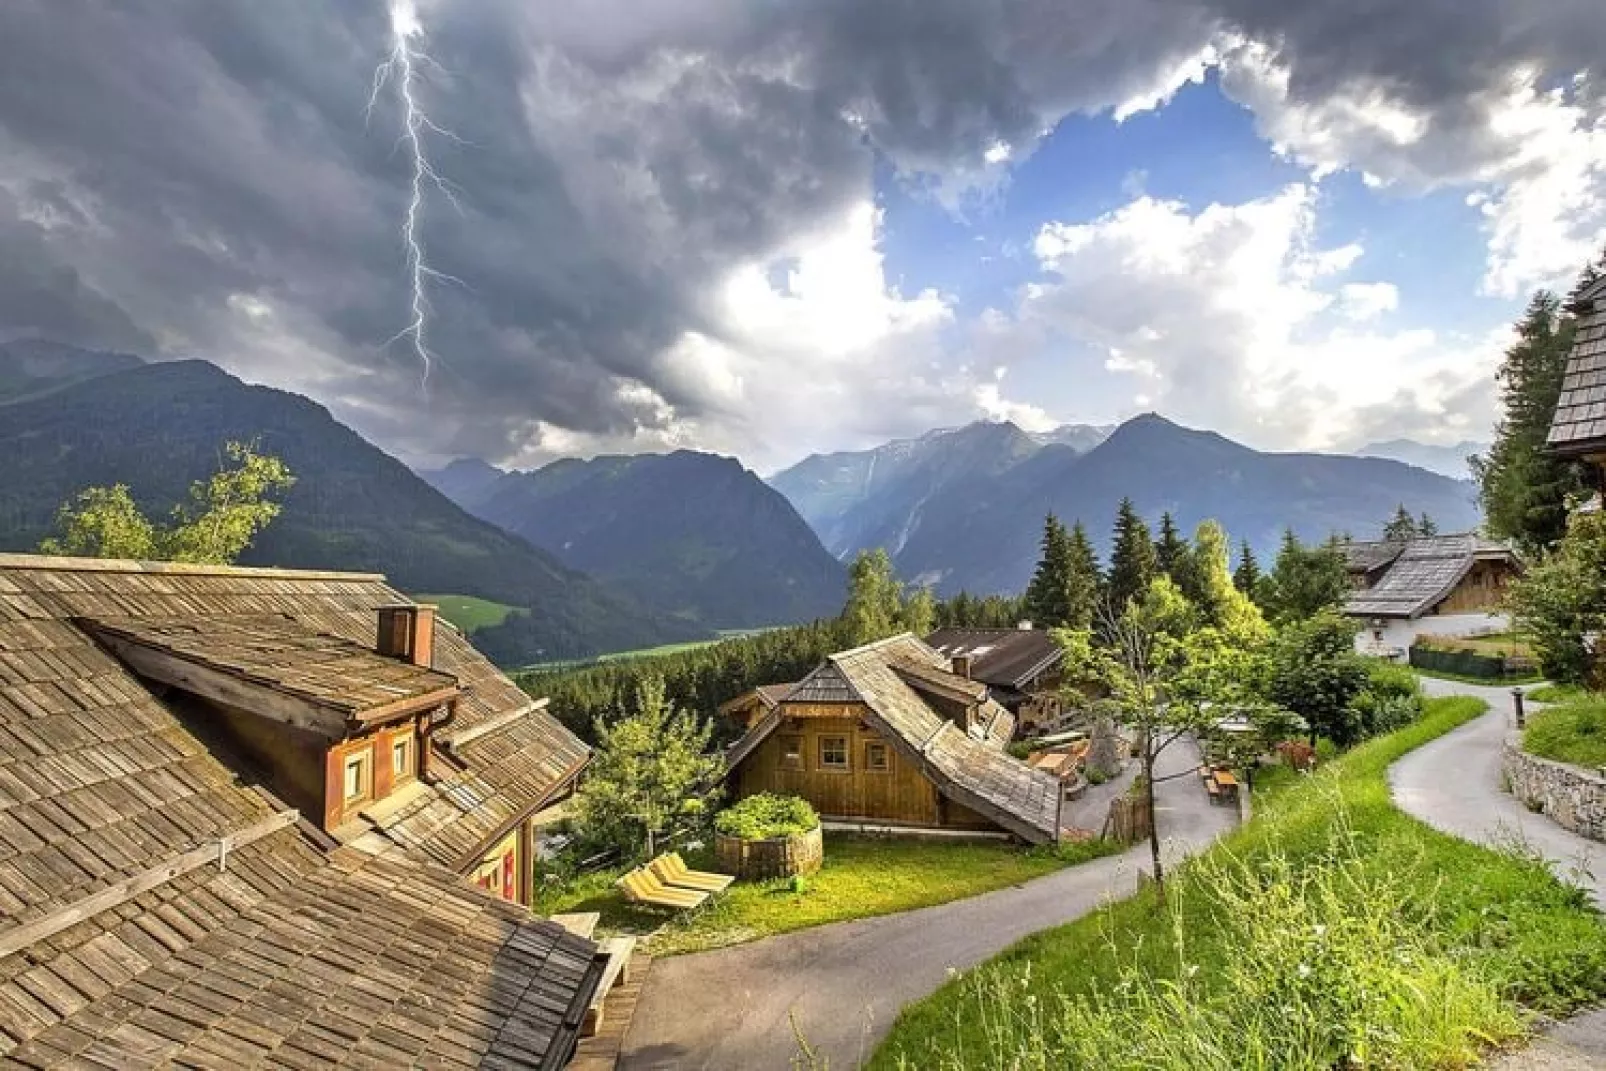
column 990, row 400
column 1368, row 301
column 1234, row 317
column 1532, row 158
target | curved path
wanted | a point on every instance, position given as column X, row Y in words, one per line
column 1454, row 784
column 841, row 985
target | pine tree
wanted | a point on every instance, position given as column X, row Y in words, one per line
column 1087, row 581
column 1048, row 594
column 1523, row 487
column 1305, row 581
column 1402, row 528
column 1132, row 560
column 1248, row 578
column 1171, row 550
column 1426, row 526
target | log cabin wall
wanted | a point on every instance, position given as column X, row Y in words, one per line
column 1481, row 589
column 798, row 760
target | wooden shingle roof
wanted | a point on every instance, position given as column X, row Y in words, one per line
column 283, row 951
column 1002, row 657
column 1579, row 424
column 348, row 680
column 1423, row 574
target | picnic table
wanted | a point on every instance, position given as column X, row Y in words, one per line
column 1219, row 783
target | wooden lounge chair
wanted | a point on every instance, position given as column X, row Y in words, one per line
column 642, row 887
column 672, row 870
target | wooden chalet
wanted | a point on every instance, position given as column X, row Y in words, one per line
column 888, row 736
column 1022, row 667
column 256, row 816
column 1578, row 429
column 1450, row 585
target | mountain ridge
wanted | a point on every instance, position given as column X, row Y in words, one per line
column 159, row 426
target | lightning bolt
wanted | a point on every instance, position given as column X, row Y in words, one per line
column 403, row 69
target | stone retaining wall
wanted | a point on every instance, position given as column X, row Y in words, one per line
column 1571, row 796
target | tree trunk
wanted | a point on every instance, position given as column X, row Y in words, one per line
column 1154, row 818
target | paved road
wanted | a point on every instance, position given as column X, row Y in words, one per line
column 1454, row 784
column 842, row 985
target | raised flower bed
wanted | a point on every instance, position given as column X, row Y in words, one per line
column 768, row 836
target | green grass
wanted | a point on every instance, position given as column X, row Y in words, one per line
column 1573, row 731
column 619, row 656
column 862, row 876
column 469, row 613
column 1488, row 682
column 1499, row 643
column 1333, row 930
column 1558, row 693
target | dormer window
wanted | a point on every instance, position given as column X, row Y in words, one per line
column 357, row 777
column 401, row 757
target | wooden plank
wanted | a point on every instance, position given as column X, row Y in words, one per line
column 454, row 740
column 580, row 923
column 14, row 940
column 222, row 688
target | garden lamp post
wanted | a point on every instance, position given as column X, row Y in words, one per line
column 1516, row 704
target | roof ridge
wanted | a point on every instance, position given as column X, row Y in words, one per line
column 872, row 645
column 65, row 564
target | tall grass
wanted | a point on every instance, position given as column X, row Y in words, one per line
column 1333, row 931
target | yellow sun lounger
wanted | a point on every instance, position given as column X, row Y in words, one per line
column 672, row 870
column 642, row 887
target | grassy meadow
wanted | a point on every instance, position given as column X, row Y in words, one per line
column 1333, row 930
column 469, row 613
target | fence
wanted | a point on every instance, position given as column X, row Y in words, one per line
column 1469, row 663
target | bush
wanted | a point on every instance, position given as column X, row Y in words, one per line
column 1391, row 698
column 767, row 815
column 1573, row 732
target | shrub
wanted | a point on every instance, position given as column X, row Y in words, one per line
column 1391, row 698
column 767, row 815
column 1572, row 732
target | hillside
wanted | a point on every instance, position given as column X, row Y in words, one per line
column 32, row 366
column 878, row 498
column 982, row 534
column 157, row 427
column 691, row 534
column 1448, row 461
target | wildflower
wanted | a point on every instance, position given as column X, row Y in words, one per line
column 694, row 846
column 1304, row 970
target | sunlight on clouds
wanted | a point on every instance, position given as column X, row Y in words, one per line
column 1232, row 318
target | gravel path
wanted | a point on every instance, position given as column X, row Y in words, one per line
column 842, row 985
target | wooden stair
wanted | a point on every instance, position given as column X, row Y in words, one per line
column 603, row 1039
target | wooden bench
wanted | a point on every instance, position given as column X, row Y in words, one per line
column 642, row 886
column 580, row 923
column 672, row 870
column 1213, row 789
column 616, row 973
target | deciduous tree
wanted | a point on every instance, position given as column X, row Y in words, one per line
column 1560, row 602
column 652, row 766
column 1316, row 673
column 223, row 514
column 875, row 602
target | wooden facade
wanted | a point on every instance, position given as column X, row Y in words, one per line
column 1482, row 589
column 886, row 735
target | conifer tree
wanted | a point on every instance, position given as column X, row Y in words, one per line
column 1248, row 578
column 1402, row 528
column 1048, row 594
column 1426, row 526
column 1305, row 581
column 1132, row 560
column 1170, row 550
column 1522, row 486
column 1087, row 581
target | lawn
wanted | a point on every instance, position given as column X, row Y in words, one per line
column 1333, row 930
column 469, row 613
column 1498, row 643
column 1558, row 693
column 862, row 876
column 618, row 656
column 1488, row 682
column 1573, row 731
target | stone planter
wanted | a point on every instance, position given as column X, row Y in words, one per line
column 1573, row 797
column 776, row 857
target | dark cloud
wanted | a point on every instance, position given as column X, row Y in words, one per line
column 618, row 158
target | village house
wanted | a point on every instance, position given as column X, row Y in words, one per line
column 1578, row 429
column 888, row 737
column 1449, row 585
column 1021, row 668
column 258, row 814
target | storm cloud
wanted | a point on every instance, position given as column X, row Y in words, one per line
column 199, row 177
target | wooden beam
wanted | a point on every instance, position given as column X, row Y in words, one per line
column 217, row 851
column 401, row 708
column 221, row 687
column 454, row 740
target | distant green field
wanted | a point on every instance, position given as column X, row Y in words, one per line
column 469, row 613
column 617, row 656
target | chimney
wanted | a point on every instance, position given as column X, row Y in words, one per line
column 407, row 632
column 961, row 665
